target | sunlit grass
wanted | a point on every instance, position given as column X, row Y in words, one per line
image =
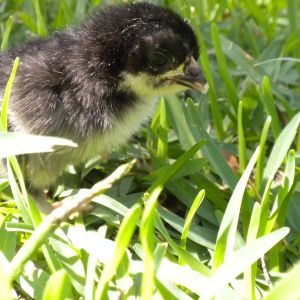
column 235, row 151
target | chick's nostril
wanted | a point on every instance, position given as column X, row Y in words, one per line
column 201, row 77
column 193, row 71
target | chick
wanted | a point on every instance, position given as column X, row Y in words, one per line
column 96, row 83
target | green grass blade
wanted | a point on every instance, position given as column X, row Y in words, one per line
column 28, row 21
column 198, row 234
column 288, row 287
column 268, row 101
column 250, row 273
column 31, row 214
column 17, row 194
column 166, row 292
column 42, row 31
column 250, row 37
column 52, row 221
column 241, row 139
column 8, row 239
column 147, row 226
column 16, row 144
column 5, row 37
column 240, row 260
column 90, row 278
column 261, row 155
column 5, row 286
column 188, row 221
column 188, row 258
column 293, row 9
column 148, row 241
column 4, row 108
column 179, row 123
column 58, row 287
column 228, row 228
column 176, row 166
column 281, row 147
column 265, row 202
column 223, row 68
column 254, row 10
column 162, row 144
column 28, row 209
column 211, row 191
column 183, row 277
column 287, row 182
column 123, row 238
column 80, row 10
column 159, row 254
column 216, row 112
column 210, row 149
column 242, row 59
column 64, row 15
column 192, row 166
column 185, row 256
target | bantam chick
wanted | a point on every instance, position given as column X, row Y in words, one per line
column 96, row 83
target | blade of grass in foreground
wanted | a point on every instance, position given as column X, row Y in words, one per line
column 5, row 286
column 52, row 221
column 196, row 233
column 7, row 91
column 287, row 183
column 16, row 144
column 281, row 148
column 148, row 242
column 185, row 256
column 28, row 209
column 182, row 276
column 250, row 273
column 123, row 238
column 17, row 194
column 288, row 287
column 58, row 286
column 89, row 290
column 168, row 293
column 240, row 260
column 156, row 186
column 188, row 258
column 149, row 216
column 228, row 228
column 188, row 221
column 278, row 154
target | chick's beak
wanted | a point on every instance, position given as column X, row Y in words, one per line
column 192, row 77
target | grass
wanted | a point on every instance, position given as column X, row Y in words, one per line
column 202, row 203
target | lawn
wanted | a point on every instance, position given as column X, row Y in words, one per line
column 204, row 200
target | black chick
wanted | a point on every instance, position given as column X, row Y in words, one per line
column 95, row 84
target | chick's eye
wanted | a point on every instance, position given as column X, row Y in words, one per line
column 160, row 60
